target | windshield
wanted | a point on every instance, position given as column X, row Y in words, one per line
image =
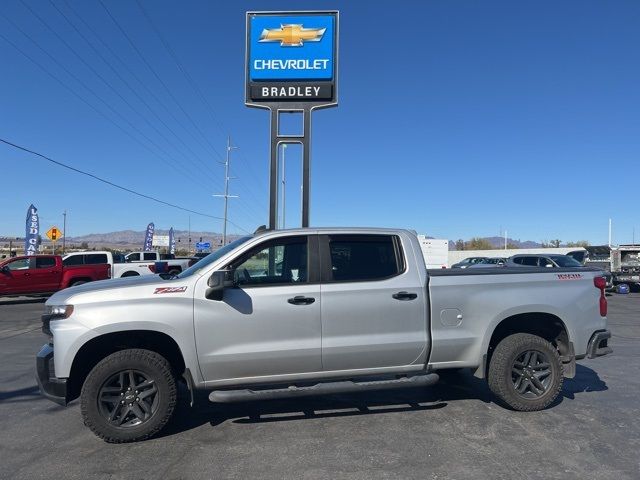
column 565, row 261
column 213, row 257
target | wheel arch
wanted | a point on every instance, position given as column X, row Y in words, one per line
column 73, row 280
column 97, row 348
column 543, row 324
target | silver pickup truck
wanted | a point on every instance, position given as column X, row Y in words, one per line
column 293, row 313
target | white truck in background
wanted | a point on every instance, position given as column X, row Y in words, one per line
column 135, row 264
column 435, row 251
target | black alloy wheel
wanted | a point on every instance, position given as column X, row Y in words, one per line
column 531, row 374
column 525, row 372
column 130, row 395
column 128, row 398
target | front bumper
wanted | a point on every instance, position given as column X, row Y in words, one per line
column 599, row 344
column 55, row 389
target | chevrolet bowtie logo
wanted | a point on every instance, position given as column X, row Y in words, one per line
column 292, row 35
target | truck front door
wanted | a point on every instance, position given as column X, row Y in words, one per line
column 269, row 322
column 373, row 303
column 16, row 276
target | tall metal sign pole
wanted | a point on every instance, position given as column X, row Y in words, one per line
column 291, row 67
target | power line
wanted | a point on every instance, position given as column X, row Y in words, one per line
column 107, row 83
column 189, row 79
column 115, row 185
column 123, row 80
column 242, row 203
column 133, row 45
column 246, row 207
column 91, row 91
column 134, row 75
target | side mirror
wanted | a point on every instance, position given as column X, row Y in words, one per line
column 216, row 284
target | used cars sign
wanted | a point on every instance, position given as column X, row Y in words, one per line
column 291, row 57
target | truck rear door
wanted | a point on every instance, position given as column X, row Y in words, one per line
column 373, row 303
column 46, row 275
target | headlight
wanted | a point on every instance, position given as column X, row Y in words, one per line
column 59, row 311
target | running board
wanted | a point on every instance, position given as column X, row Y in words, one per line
column 230, row 396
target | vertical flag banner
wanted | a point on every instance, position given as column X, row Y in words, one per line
column 32, row 229
column 148, row 238
column 172, row 242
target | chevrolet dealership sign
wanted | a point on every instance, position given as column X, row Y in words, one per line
column 291, row 57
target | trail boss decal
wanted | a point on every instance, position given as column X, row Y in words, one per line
column 569, row 276
column 170, row 290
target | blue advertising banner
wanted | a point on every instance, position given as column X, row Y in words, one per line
column 148, row 238
column 172, row 242
column 32, row 231
column 291, row 47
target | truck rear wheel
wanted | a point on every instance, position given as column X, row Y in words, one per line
column 128, row 396
column 525, row 372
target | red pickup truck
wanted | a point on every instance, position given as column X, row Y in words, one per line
column 45, row 274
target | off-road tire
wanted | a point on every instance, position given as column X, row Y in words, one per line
column 155, row 367
column 503, row 380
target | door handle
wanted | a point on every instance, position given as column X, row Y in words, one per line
column 404, row 296
column 301, row 300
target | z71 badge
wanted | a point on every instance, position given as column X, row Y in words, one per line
column 170, row 290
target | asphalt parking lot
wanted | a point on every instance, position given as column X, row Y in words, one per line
column 450, row 431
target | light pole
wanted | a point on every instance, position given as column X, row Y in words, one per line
column 64, row 231
column 284, row 182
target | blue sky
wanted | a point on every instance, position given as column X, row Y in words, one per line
column 456, row 118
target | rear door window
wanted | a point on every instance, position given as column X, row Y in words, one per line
column 73, row 260
column 45, row 262
column 96, row 258
column 150, row 256
column 529, row 261
column 356, row 258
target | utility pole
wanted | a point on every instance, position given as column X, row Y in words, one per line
column 189, row 234
column 64, row 231
column 226, row 195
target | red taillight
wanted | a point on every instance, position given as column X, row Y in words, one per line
column 600, row 283
column 152, row 268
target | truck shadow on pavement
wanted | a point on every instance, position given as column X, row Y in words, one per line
column 452, row 387
column 22, row 301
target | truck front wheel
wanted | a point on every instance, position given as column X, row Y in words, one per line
column 128, row 396
column 525, row 372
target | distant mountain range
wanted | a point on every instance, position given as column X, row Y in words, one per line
column 128, row 238
column 498, row 242
column 131, row 239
